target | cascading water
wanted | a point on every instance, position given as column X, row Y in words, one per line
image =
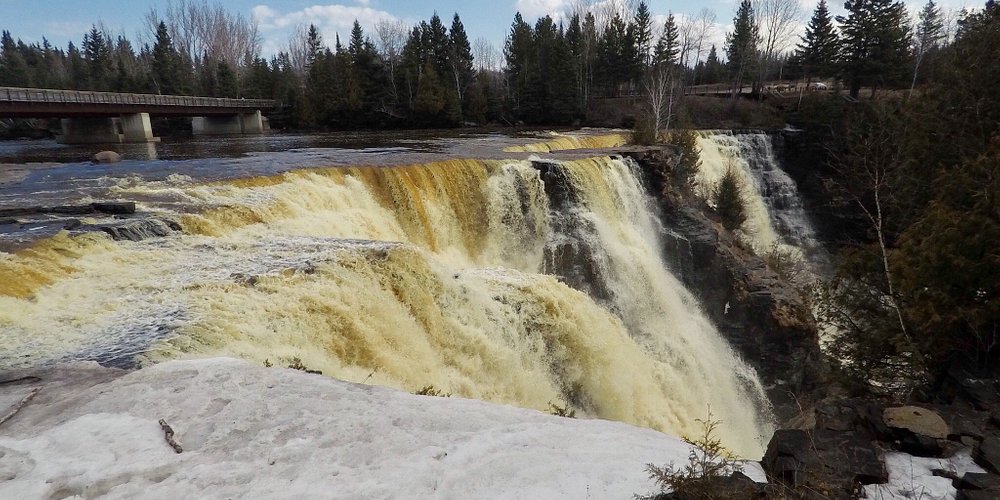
column 445, row 274
column 775, row 214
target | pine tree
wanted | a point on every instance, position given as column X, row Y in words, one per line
column 641, row 37
column 667, row 47
column 820, row 47
column 170, row 76
column 97, row 53
column 876, row 41
column 518, row 52
column 460, row 57
column 741, row 46
column 729, row 201
column 929, row 32
column 713, row 67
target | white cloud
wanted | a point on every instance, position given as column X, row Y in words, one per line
column 533, row 9
column 331, row 20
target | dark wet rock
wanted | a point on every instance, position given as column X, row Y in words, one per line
column 70, row 224
column 987, row 455
column 763, row 317
column 8, row 221
column 107, row 157
column 979, row 481
column 111, row 207
column 835, row 462
column 975, row 495
column 115, row 207
column 855, row 414
column 136, row 229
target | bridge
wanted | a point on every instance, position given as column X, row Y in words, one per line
column 112, row 117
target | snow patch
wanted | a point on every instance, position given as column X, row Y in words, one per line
column 913, row 477
column 249, row 431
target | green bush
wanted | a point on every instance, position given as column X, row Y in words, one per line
column 728, row 199
column 708, row 459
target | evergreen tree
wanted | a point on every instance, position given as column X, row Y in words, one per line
column 667, row 47
column 714, row 68
column 460, row 56
column 613, row 61
column 314, row 45
column 820, row 47
column 876, row 41
column 928, row 35
column 641, row 37
column 170, row 74
column 741, row 46
column 97, row 53
column 729, row 201
column 518, row 51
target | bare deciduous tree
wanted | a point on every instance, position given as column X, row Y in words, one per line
column 661, row 88
column 201, row 29
column 777, row 24
column 486, row 55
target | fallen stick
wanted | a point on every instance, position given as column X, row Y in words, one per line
column 168, row 434
column 13, row 411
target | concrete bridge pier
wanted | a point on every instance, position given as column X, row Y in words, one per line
column 136, row 128
column 133, row 127
column 241, row 124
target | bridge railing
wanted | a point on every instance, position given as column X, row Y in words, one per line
column 27, row 95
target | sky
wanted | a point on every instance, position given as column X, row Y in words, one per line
column 62, row 21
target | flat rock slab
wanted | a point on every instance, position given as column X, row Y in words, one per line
column 917, row 420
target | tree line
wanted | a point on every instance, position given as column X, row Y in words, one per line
column 915, row 183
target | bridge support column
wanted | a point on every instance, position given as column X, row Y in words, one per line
column 245, row 123
column 89, row 131
column 252, row 123
column 136, row 128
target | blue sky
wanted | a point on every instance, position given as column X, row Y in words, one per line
column 62, row 21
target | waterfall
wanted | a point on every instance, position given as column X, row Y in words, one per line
column 509, row 281
column 775, row 214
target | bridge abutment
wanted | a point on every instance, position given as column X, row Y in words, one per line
column 241, row 124
column 133, row 127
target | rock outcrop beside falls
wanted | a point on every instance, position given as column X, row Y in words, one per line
column 762, row 316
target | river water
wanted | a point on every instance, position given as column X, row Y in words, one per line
column 483, row 265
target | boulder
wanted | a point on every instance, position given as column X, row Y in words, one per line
column 982, row 481
column 114, row 207
column 823, row 460
column 987, row 455
column 916, row 420
column 107, row 157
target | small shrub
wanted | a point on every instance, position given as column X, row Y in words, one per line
column 267, row 363
column 562, row 411
column 688, row 155
column 786, row 263
column 728, row 199
column 430, row 390
column 708, row 459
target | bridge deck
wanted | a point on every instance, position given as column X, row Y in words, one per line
column 42, row 103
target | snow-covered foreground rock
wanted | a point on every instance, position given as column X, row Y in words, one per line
column 249, row 431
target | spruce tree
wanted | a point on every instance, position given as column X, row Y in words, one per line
column 169, row 73
column 460, row 56
column 667, row 47
column 929, row 32
column 97, row 53
column 517, row 54
column 820, row 47
column 741, row 46
column 876, row 42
